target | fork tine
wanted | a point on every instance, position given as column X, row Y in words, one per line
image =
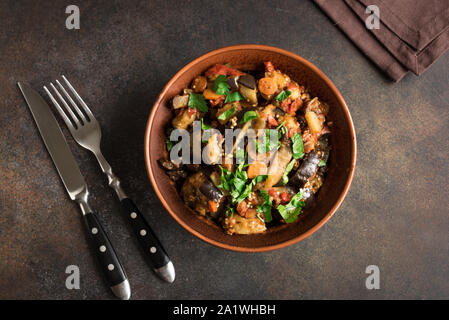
column 67, row 107
column 60, row 110
column 80, row 100
column 81, row 115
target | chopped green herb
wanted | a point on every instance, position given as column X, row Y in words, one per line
column 260, row 178
column 249, row 115
column 265, row 207
column 298, row 146
column 225, row 178
column 268, row 141
column 234, row 96
column 221, row 87
column 168, row 142
column 284, row 94
column 245, row 193
column 204, row 126
column 196, row 100
column 226, row 114
column 281, row 128
column 249, row 187
column 236, row 183
column 291, row 210
column 287, row 171
column 322, row 163
column 240, row 156
column 230, row 211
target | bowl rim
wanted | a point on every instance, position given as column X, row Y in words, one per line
column 271, row 49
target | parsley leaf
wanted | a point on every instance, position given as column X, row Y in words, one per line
column 284, row 94
column 234, row 96
column 281, row 128
column 230, row 211
column 265, row 207
column 248, row 188
column 298, row 146
column 245, row 193
column 291, row 210
column 226, row 114
column 221, row 87
column 168, row 142
column 236, row 183
column 225, row 179
column 196, row 100
column 240, row 156
column 249, row 115
column 287, row 171
column 205, row 126
column 268, row 141
column 322, row 163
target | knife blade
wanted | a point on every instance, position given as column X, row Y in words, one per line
column 76, row 187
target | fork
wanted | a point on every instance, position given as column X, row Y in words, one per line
column 86, row 131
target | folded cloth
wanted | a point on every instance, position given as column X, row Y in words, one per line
column 416, row 33
column 412, row 34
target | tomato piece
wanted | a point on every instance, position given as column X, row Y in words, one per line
column 213, row 206
column 273, row 193
column 269, row 66
column 285, row 197
column 222, row 69
column 294, row 106
column 191, row 111
column 272, row 121
column 242, row 207
column 293, row 131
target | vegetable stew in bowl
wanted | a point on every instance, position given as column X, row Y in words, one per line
column 206, row 223
column 277, row 156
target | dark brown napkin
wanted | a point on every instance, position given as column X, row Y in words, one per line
column 412, row 34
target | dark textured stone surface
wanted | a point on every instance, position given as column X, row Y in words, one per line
column 395, row 215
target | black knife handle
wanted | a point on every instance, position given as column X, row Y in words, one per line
column 109, row 263
column 149, row 242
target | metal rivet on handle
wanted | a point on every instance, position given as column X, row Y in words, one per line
column 143, row 232
column 153, row 249
column 102, row 248
column 110, row 267
column 133, row 215
column 94, row 230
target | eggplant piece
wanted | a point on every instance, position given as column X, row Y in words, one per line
column 309, row 199
column 167, row 164
column 199, row 84
column 233, row 83
column 177, row 175
column 323, row 146
column 249, row 94
column 307, row 169
column 279, row 111
column 248, row 81
column 183, row 120
column 210, row 191
column 192, row 167
column 180, row 101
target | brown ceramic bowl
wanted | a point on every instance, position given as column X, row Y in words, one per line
column 341, row 163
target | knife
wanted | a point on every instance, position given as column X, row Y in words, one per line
column 77, row 189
